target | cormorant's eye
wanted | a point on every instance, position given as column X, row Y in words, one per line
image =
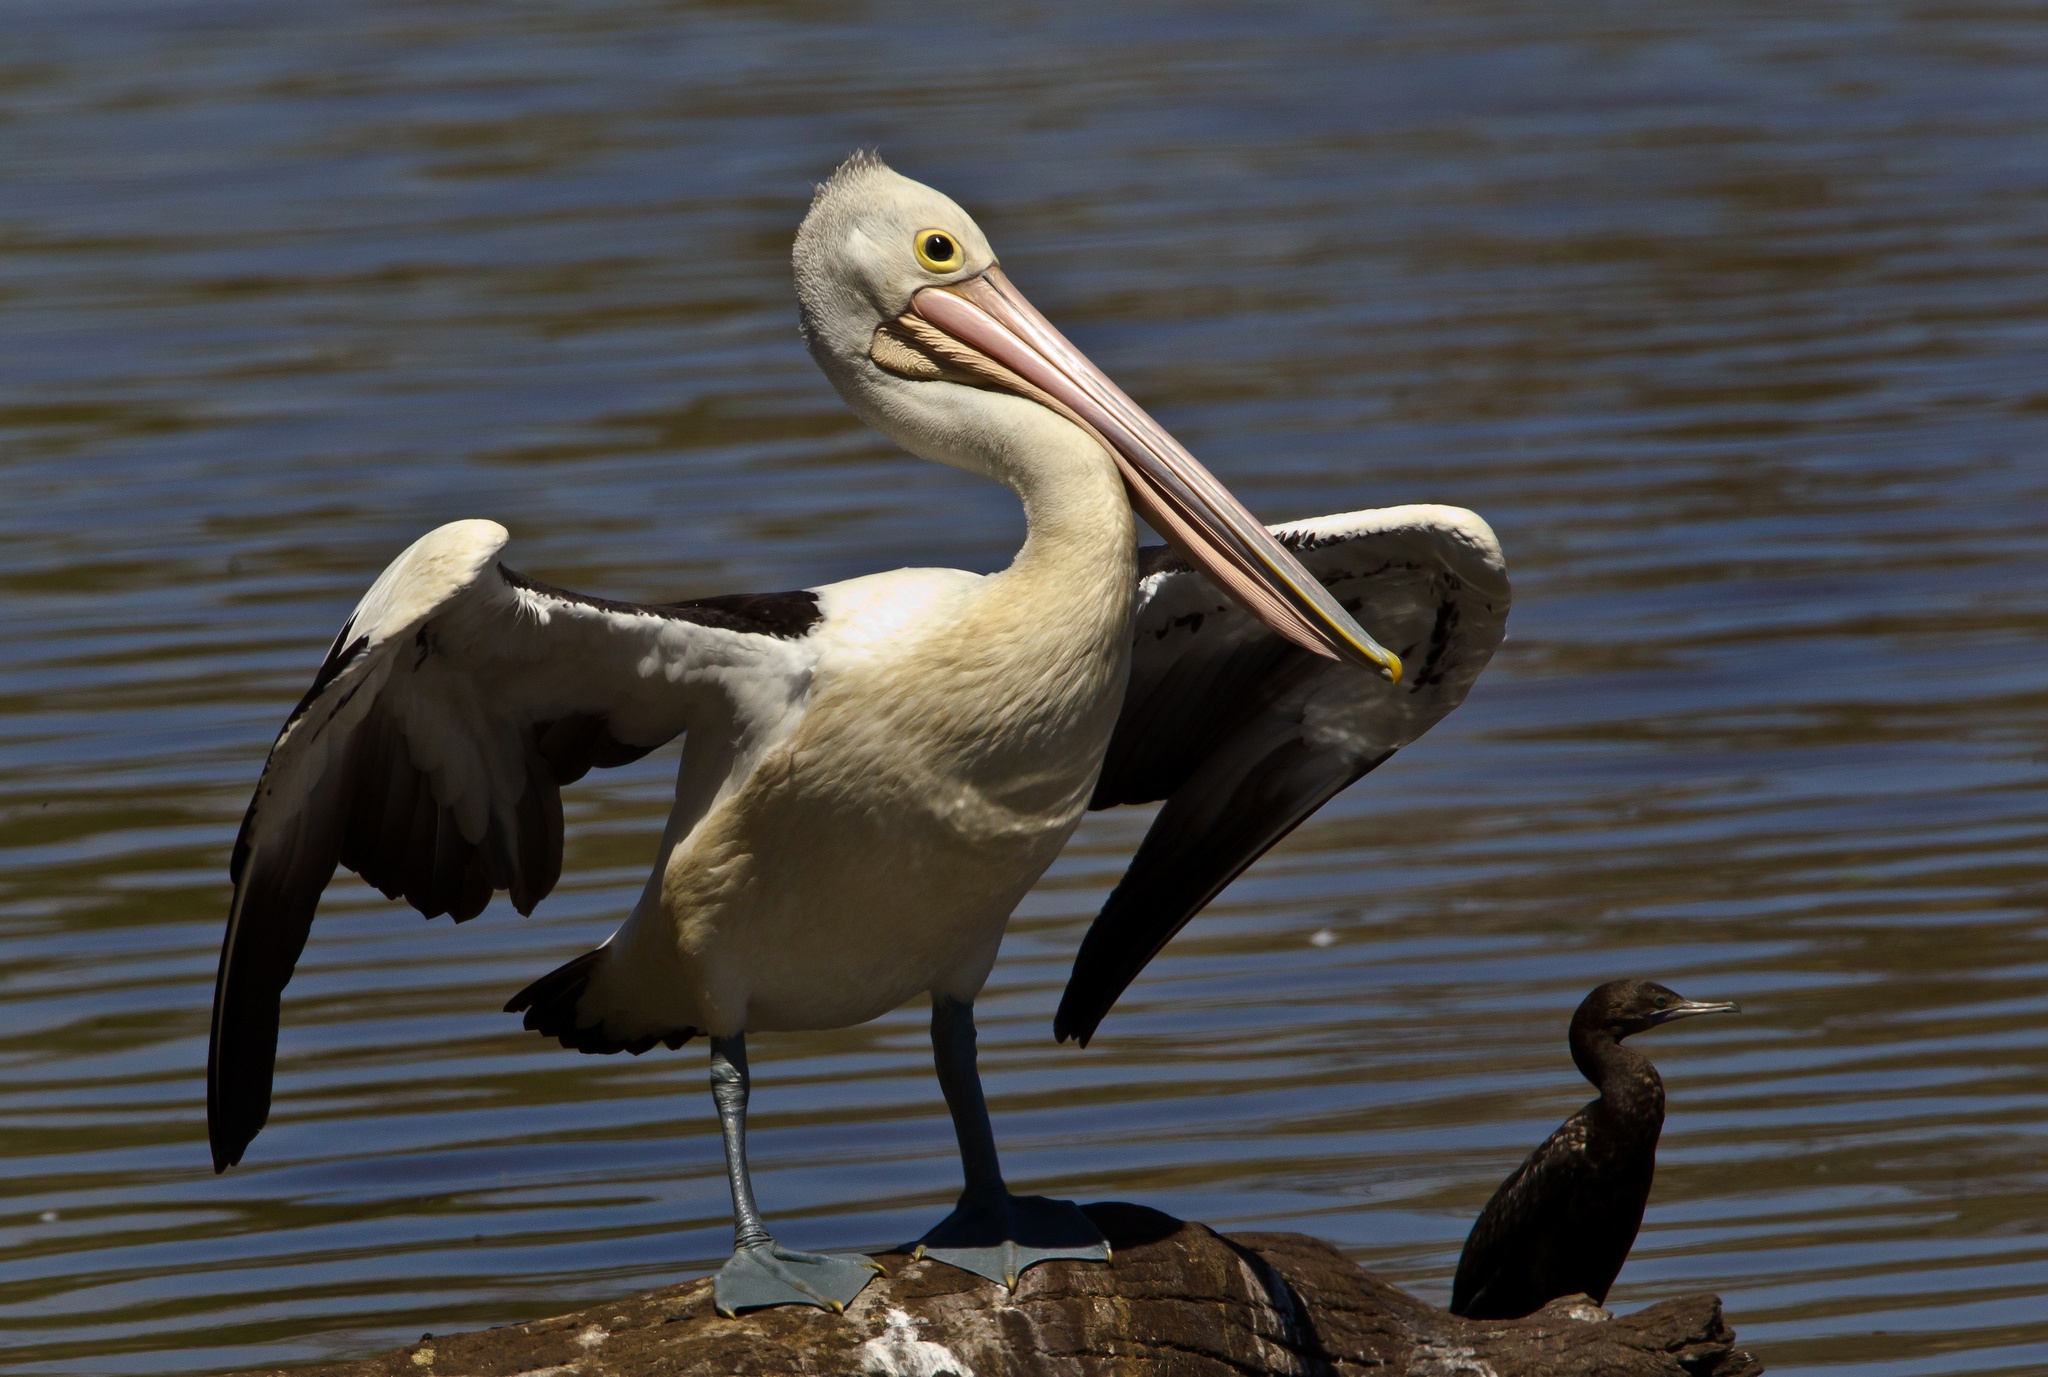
column 938, row 250
column 1661, row 1001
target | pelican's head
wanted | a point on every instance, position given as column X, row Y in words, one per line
column 907, row 312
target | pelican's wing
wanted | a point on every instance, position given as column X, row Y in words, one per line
column 429, row 755
column 1244, row 734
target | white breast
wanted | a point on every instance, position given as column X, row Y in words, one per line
column 947, row 751
column 879, row 614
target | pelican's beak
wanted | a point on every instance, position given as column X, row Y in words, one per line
column 1689, row 1008
column 985, row 328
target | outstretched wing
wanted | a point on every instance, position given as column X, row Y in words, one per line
column 1245, row 735
column 429, row 755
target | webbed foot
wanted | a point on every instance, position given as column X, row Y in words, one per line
column 769, row 1274
column 999, row 1238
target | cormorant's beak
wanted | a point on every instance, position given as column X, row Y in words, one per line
column 1687, row 1008
column 984, row 327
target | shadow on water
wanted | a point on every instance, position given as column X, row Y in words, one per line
column 1730, row 320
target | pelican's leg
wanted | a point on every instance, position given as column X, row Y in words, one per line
column 762, row 1271
column 993, row 1233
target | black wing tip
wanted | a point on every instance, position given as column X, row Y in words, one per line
column 241, row 1048
column 1206, row 836
column 229, row 1140
column 1071, row 1024
column 550, row 1005
column 1109, row 962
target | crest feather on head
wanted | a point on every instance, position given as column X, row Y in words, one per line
column 858, row 165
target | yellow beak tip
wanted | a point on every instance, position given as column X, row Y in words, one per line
column 1391, row 667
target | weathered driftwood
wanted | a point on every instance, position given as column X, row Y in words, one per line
column 1181, row 1301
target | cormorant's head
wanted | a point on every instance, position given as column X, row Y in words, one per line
column 1622, row 1007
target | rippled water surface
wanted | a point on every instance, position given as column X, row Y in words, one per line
column 1733, row 319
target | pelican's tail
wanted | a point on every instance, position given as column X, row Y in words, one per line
column 550, row 1005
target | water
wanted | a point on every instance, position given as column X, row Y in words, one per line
column 1732, row 318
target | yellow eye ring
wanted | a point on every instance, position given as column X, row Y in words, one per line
column 938, row 251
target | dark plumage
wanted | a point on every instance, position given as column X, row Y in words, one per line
column 1244, row 736
column 1564, row 1221
column 549, row 1004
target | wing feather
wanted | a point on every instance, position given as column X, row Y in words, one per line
column 1245, row 735
column 428, row 757
column 1526, row 1229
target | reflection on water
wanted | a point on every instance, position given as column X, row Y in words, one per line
column 1730, row 321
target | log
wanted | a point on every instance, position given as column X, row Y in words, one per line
column 1180, row 1301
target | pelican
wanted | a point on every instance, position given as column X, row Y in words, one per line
column 873, row 772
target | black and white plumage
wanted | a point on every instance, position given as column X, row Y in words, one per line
column 429, row 754
column 1563, row 1222
column 874, row 772
column 1246, row 736
column 460, row 696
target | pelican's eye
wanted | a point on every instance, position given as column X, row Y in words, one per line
column 938, row 250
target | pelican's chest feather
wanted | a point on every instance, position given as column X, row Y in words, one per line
column 954, row 697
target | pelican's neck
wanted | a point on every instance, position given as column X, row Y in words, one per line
column 1076, row 574
column 1037, row 658
column 1077, row 516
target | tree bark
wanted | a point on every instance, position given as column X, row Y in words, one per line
column 1180, row 1301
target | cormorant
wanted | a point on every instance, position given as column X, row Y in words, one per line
column 1564, row 1221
